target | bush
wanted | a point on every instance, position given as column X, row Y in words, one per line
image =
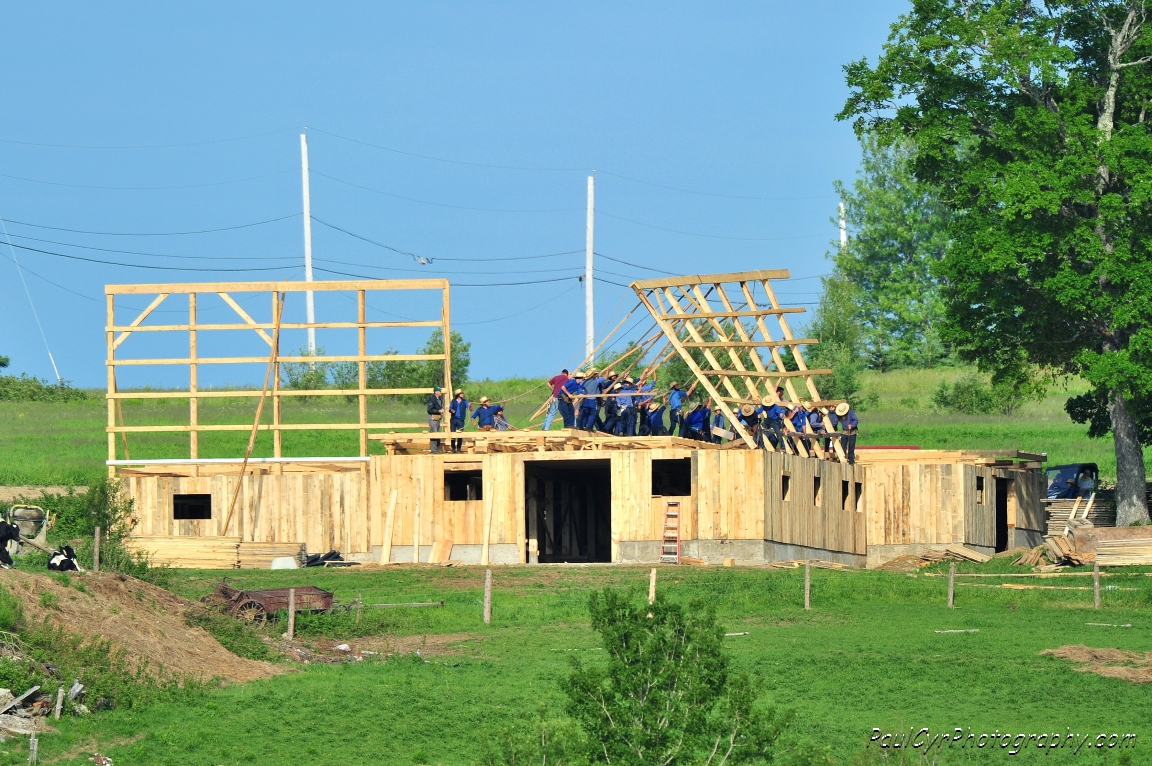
column 970, row 395
column 24, row 388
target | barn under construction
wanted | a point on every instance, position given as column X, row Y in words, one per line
column 560, row 496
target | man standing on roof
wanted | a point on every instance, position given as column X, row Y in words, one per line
column 435, row 414
column 556, row 384
column 799, row 417
column 676, row 399
column 718, row 422
column 485, row 414
column 848, row 424
column 458, row 417
column 695, row 422
column 773, row 414
column 643, row 403
column 589, row 405
column 567, row 401
column 626, row 408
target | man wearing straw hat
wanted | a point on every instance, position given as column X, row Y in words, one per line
column 457, row 417
column 750, row 419
column 435, row 410
column 485, row 414
column 774, row 412
column 567, row 399
column 848, row 424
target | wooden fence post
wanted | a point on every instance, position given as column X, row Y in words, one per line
column 59, row 702
column 951, row 584
column 807, row 585
column 1096, row 586
column 96, row 551
column 487, row 596
column 652, row 586
column 291, row 613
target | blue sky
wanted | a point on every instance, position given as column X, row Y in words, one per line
column 511, row 105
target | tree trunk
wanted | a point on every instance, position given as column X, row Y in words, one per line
column 1131, row 503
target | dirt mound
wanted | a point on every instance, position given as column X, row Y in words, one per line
column 147, row 621
column 1110, row 663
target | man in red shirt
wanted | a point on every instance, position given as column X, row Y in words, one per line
column 556, row 383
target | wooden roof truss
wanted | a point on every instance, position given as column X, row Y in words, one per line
column 718, row 316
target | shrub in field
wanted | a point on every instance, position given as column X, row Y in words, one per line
column 24, row 388
column 968, row 396
column 667, row 694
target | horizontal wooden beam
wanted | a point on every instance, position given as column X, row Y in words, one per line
column 820, row 403
column 261, row 427
column 766, row 374
column 264, row 359
column 180, row 288
column 269, row 326
column 712, row 279
column 282, row 392
column 731, row 314
column 751, row 343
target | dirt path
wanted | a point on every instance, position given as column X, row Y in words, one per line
column 10, row 494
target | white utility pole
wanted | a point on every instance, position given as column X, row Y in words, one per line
column 843, row 227
column 589, row 323
column 308, row 243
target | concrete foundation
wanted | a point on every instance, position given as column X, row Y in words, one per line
column 1025, row 538
column 743, row 551
column 498, row 553
column 878, row 555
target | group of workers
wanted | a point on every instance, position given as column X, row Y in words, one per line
column 488, row 416
column 619, row 405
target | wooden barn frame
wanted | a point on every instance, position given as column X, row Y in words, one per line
column 117, row 334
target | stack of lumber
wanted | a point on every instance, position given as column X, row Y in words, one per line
column 1135, row 551
column 260, row 555
column 1032, row 557
column 1099, row 511
column 955, row 552
column 797, row 563
column 188, row 552
column 1061, row 551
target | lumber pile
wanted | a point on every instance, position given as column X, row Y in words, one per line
column 260, row 555
column 188, row 552
column 1032, row 557
column 817, row 563
column 955, row 552
column 1061, row 551
column 1131, row 552
column 1098, row 510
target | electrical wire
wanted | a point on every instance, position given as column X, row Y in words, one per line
column 145, row 266
column 514, row 257
column 635, row 265
column 398, row 251
column 448, row 273
column 155, row 233
column 553, row 299
column 159, row 255
column 28, row 292
column 461, row 284
column 711, row 194
column 144, row 188
column 708, row 236
column 439, row 204
column 147, row 146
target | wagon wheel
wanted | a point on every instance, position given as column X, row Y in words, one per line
column 251, row 611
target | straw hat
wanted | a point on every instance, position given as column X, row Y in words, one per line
column 483, row 399
column 628, row 380
column 459, row 391
column 807, row 404
column 675, row 385
column 578, row 376
column 592, row 371
column 842, row 408
column 767, row 401
column 747, row 409
column 823, row 410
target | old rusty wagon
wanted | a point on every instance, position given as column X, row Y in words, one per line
column 255, row 605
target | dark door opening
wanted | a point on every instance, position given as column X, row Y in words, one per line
column 1003, row 486
column 569, row 510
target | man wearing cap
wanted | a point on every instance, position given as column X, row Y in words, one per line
column 556, row 383
column 435, row 410
column 848, row 424
column 485, row 414
column 458, row 417
column 567, row 399
column 676, row 399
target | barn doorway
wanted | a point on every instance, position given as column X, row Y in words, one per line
column 1003, row 488
column 569, row 511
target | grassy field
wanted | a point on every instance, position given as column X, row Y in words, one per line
column 66, row 443
column 867, row 655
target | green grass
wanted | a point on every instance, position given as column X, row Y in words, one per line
column 866, row 656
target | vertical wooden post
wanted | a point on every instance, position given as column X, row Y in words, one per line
column 363, row 368
column 291, row 613
column 359, row 606
column 111, row 336
column 33, row 749
column 487, row 596
column 193, row 383
column 389, row 526
column 951, row 584
column 96, row 551
column 59, row 703
column 484, row 558
column 416, row 524
column 444, row 314
column 1096, row 586
column 807, row 585
column 652, row 586
column 276, row 443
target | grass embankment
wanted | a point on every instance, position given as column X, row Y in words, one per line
column 867, row 655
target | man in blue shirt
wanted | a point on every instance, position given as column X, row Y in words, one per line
column 457, row 417
column 656, row 420
column 643, row 404
column 676, row 399
column 590, row 406
column 626, row 408
column 567, row 405
column 848, row 424
column 718, row 421
column 485, row 414
column 695, row 422
column 799, row 418
column 773, row 415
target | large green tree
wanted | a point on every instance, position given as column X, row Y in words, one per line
column 898, row 237
column 1030, row 117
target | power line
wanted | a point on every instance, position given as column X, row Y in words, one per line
column 146, row 146
column 159, row 255
column 514, row 257
column 464, row 284
column 145, row 266
column 708, row 236
column 447, row 273
column 398, row 251
column 440, row 204
column 156, row 233
column 710, row 194
column 554, row 298
column 144, row 188
column 28, row 292
column 636, row 265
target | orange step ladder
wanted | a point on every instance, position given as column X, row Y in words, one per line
column 670, row 547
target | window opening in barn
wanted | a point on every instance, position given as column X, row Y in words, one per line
column 816, row 490
column 568, row 505
column 672, row 477
column 463, row 485
column 845, row 495
column 979, row 490
column 859, row 492
column 785, row 487
column 191, row 507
